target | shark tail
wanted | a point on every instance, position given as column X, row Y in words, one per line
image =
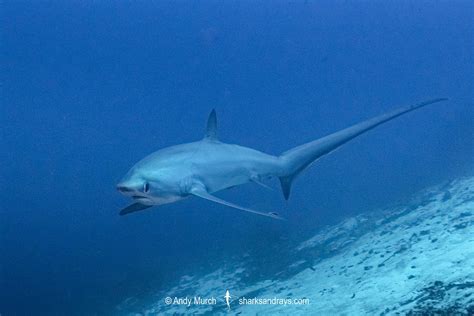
column 297, row 159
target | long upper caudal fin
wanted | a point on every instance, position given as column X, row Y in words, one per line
column 200, row 191
column 297, row 159
column 211, row 129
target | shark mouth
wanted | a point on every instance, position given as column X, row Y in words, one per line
column 142, row 199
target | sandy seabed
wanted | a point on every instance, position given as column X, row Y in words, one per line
column 414, row 259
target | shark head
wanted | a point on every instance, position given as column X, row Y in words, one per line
column 148, row 188
column 136, row 186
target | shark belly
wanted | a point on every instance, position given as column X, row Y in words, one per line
column 225, row 166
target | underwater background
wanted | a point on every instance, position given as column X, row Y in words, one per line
column 91, row 87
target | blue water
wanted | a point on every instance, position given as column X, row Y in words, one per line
column 91, row 87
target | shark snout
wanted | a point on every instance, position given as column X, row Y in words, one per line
column 133, row 188
column 124, row 189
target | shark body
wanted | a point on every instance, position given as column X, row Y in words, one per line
column 207, row 166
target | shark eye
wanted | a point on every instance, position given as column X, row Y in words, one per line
column 146, row 187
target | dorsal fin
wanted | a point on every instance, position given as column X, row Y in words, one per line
column 211, row 129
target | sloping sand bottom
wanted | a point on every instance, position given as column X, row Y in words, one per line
column 414, row 259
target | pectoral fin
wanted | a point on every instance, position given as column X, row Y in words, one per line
column 134, row 208
column 202, row 193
